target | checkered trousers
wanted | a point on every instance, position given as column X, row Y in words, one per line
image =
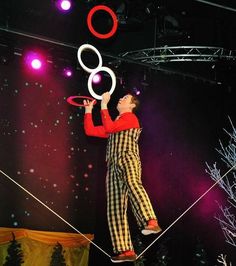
column 123, row 185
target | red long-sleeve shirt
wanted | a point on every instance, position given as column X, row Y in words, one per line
column 123, row 122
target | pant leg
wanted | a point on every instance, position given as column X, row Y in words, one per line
column 117, row 200
column 141, row 205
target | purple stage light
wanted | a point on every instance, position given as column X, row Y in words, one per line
column 34, row 60
column 97, row 79
column 36, row 64
column 63, row 5
column 136, row 91
column 67, row 72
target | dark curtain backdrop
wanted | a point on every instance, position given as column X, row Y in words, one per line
column 43, row 148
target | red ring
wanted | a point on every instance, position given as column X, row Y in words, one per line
column 70, row 100
column 91, row 28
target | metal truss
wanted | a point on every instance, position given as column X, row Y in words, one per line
column 166, row 54
column 151, row 58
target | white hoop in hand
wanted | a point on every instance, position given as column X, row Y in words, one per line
column 90, row 79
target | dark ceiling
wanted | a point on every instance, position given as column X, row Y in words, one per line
column 142, row 24
column 178, row 22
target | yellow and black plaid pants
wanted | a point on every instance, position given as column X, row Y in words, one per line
column 123, row 185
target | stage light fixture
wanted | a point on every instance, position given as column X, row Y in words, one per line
column 63, row 5
column 67, row 72
column 97, row 79
column 34, row 60
column 36, row 63
column 136, row 91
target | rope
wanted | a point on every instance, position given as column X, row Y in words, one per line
column 190, row 207
column 53, row 212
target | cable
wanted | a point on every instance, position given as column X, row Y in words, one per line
column 53, row 212
column 190, row 207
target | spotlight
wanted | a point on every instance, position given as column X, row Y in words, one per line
column 34, row 60
column 67, row 72
column 136, row 91
column 97, row 79
column 36, row 63
column 63, row 5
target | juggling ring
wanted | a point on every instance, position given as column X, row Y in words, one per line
column 90, row 79
column 87, row 47
column 70, row 100
column 93, row 71
column 114, row 18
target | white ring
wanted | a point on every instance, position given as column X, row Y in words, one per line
column 90, row 79
column 88, row 47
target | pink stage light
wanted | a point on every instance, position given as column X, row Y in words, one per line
column 34, row 60
column 136, row 91
column 67, row 72
column 63, row 5
column 36, row 64
column 97, row 79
